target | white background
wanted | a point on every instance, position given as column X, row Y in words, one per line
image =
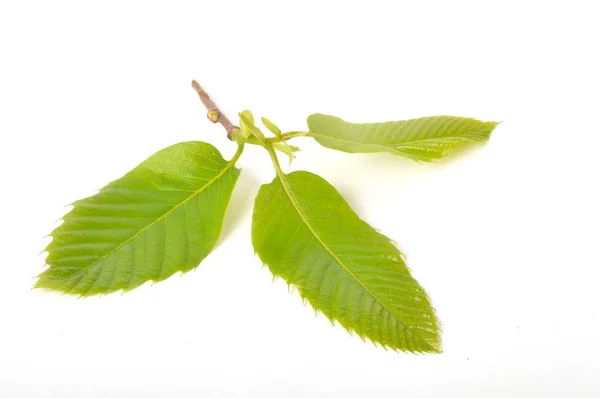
column 505, row 239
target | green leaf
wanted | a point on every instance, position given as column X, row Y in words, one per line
column 247, row 126
column 246, row 121
column 282, row 146
column 289, row 150
column 308, row 235
column 271, row 126
column 163, row 217
column 424, row 139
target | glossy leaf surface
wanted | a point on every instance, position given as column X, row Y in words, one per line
column 163, row 217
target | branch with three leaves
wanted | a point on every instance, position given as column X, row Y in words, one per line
column 165, row 216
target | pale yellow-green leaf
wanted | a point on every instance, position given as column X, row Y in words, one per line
column 271, row 126
column 248, row 127
column 422, row 139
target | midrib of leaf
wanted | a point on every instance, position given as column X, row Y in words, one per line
column 295, row 204
column 162, row 217
column 376, row 146
column 383, row 147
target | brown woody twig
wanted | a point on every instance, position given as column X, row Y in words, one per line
column 214, row 113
